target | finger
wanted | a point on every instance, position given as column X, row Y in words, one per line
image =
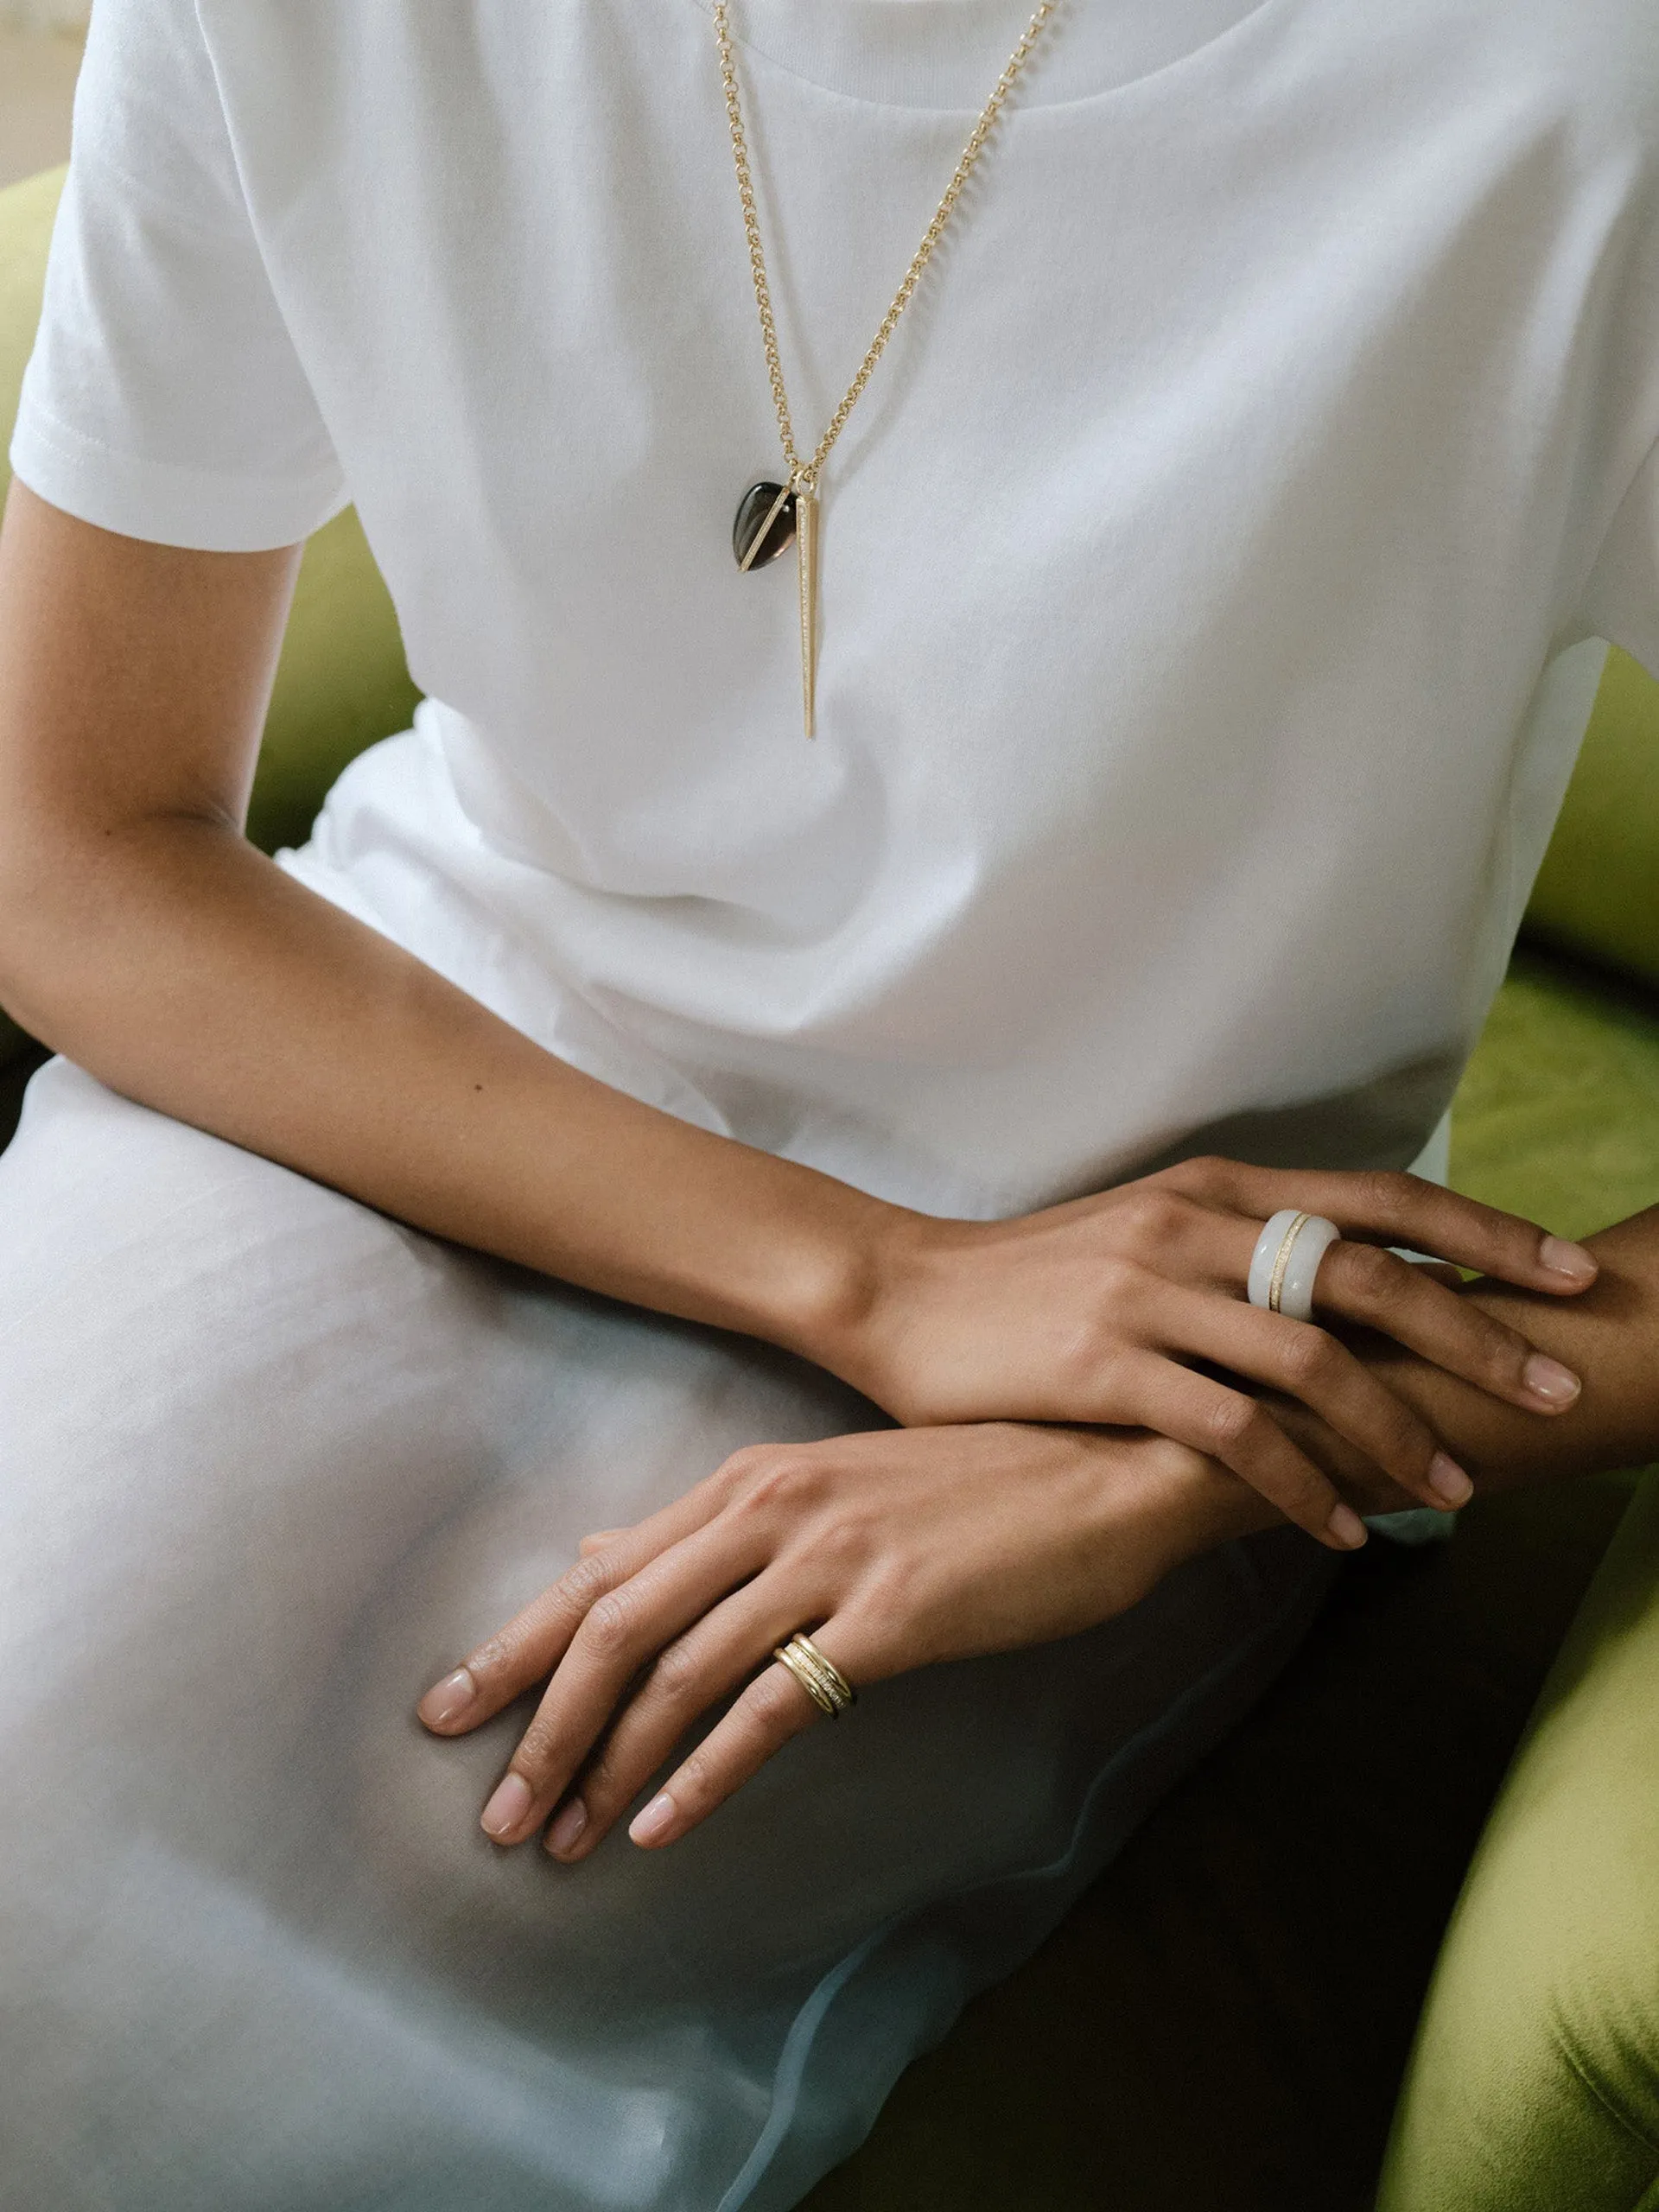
column 1236, row 1429
column 1390, row 1208
column 714, row 1656
column 770, row 1711
column 1364, row 1283
column 598, row 1541
column 527, row 1649
column 1309, row 1365
column 621, row 1632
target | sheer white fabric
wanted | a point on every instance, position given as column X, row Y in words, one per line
column 269, row 1462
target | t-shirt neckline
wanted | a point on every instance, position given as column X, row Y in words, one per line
column 946, row 54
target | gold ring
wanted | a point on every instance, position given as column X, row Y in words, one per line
column 821, row 1680
column 1282, row 1260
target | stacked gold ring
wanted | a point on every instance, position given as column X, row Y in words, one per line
column 821, row 1680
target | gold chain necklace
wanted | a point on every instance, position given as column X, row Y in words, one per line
column 769, row 514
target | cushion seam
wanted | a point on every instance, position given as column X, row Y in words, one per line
column 1579, row 2069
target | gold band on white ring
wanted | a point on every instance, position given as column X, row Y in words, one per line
column 821, row 1680
column 1282, row 1260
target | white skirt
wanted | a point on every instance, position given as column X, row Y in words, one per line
column 269, row 1464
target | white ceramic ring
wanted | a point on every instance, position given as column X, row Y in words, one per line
column 1286, row 1260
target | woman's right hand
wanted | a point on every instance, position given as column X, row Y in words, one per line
column 1128, row 1309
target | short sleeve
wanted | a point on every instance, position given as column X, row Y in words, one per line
column 1621, row 602
column 164, row 398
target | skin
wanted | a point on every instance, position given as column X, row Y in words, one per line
column 898, row 1550
column 143, row 935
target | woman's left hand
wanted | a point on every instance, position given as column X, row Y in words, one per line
column 892, row 1550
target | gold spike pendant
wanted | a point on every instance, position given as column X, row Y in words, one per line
column 806, row 571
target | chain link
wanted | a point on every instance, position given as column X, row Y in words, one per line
column 804, row 474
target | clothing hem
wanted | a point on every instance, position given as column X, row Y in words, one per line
column 202, row 510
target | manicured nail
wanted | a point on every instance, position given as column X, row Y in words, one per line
column 1548, row 1379
column 567, row 1827
column 447, row 1699
column 1347, row 1528
column 651, row 1825
column 1570, row 1260
column 1447, row 1480
column 512, row 1801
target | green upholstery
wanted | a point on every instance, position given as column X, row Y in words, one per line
column 1224, row 2021
column 1598, row 892
column 1534, row 2083
column 1557, row 1114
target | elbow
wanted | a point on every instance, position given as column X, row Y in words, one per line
column 61, row 911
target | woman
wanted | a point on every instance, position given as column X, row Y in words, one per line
column 823, row 1172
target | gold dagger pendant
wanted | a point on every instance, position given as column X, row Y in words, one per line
column 768, row 516
column 806, row 577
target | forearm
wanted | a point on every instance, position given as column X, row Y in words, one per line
column 186, row 971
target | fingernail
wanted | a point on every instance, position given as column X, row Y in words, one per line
column 1570, row 1260
column 512, row 1801
column 1447, row 1480
column 447, row 1699
column 1347, row 1528
column 567, row 1827
column 655, row 1821
column 1548, row 1379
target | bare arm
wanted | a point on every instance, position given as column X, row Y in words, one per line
column 143, row 936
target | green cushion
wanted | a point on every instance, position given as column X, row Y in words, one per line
column 1534, row 2084
column 1598, row 892
column 1534, row 2081
column 342, row 681
column 1557, row 1116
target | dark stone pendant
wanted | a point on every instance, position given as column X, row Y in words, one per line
column 756, row 539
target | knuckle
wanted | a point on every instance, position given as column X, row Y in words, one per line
column 787, row 1486
column 1202, row 1175
column 577, row 1588
column 1232, row 1423
column 497, row 1657
column 1388, row 1191
column 675, row 1674
column 609, row 1622
column 746, row 1465
column 1501, row 1353
column 1313, row 1358
column 1119, row 1282
column 1147, row 1219
column 534, row 1754
column 1374, row 1273
column 693, row 1783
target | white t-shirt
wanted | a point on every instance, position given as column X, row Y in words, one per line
column 1207, row 569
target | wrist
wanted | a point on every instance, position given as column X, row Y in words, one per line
column 877, row 1300
column 819, row 1290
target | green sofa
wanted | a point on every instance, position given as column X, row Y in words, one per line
column 1227, row 2019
